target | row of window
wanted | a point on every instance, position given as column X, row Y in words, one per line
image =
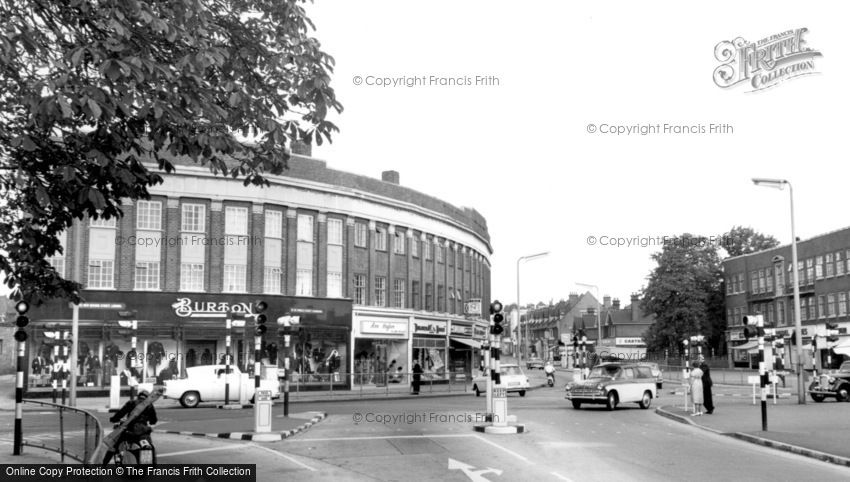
column 399, row 298
column 820, row 267
column 148, row 242
column 811, row 308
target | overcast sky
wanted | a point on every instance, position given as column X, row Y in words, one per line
column 520, row 152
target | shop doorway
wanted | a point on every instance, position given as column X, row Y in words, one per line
column 200, row 352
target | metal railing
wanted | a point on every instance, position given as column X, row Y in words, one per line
column 68, row 431
column 365, row 383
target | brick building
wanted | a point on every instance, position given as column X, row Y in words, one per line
column 762, row 283
column 381, row 275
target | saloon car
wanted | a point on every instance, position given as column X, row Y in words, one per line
column 656, row 372
column 512, row 378
column 534, row 362
column 206, row 383
column 832, row 384
column 612, row 384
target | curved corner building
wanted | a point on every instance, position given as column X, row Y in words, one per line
column 380, row 276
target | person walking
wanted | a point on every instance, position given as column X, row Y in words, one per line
column 417, row 377
column 707, row 401
column 696, row 391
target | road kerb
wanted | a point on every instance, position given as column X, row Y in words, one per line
column 795, row 449
column 252, row 436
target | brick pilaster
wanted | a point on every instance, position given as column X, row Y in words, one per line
column 171, row 267
column 320, row 279
column 256, row 249
column 215, row 253
column 291, row 249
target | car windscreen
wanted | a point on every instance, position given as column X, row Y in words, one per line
column 510, row 371
column 604, row 372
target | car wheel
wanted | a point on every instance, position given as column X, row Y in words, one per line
column 477, row 392
column 646, row 401
column 817, row 397
column 576, row 404
column 612, row 401
column 190, row 399
column 522, row 393
column 843, row 395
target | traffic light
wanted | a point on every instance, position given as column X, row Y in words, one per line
column 22, row 320
column 260, row 317
column 831, row 332
column 751, row 326
column 498, row 318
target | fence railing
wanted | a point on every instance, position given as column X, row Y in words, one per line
column 68, row 431
column 364, row 383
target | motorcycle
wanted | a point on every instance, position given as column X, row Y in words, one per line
column 135, row 451
column 550, row 379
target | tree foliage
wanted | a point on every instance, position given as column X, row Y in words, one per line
column 681, row 292
column 741, row 240
column 97, row 96
column 685, row 289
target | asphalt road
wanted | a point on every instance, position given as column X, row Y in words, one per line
column 432, row 439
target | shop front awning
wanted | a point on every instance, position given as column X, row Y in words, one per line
column 842, row 347
column 467, row 342
column 747, row 346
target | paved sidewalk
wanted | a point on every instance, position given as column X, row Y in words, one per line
column 818, row 430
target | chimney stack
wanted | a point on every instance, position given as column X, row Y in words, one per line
column 606, row 301
column 390, row 176
column 573, row 298
column 616, row 304
column 635, row 307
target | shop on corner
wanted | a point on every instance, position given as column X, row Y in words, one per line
column 175, row 331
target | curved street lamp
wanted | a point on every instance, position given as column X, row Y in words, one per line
column 780, row 184
column 519, row 311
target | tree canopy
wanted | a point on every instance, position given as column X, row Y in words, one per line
column 741, row 240
column 685, row 289
column 96, row 97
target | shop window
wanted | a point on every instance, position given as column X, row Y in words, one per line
column 320, row 356
column 430, row 353
column 380, row 362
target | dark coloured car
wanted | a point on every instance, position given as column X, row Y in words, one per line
column 833, row 384
column 534, row 362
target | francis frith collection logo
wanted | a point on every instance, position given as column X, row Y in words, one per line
column 765, row 63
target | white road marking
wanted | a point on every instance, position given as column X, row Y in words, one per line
column 283, row 455
column 197, row 451
column 474, row 475
column 561, row 477
column 494, row 444
column 378, row 437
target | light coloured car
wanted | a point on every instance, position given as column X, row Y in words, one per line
column 206, row 383
column 534, row 362
column 512, row 378
column 614, row 383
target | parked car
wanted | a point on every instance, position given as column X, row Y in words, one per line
column 512, row 377
column 534, row 362
column 614, row 383
column 206, row 383
column 832, row 384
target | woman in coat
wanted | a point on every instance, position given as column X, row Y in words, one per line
column 696, row 390
column 417, row 377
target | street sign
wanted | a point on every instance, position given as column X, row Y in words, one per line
column 472, row 307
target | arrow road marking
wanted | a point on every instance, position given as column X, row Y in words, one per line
column 475, row 475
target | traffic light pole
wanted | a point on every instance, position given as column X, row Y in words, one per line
column 228, row 325
column 75, row 332
column 19, row 400
column 762, row 372
column 286, row 340
column 258, row 340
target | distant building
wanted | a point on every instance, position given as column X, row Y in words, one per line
column 623, row 329
column 762, row 283
column 549, row 326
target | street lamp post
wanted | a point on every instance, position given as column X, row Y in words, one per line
column 598, row 309
column 519, row 311
column 801, row 384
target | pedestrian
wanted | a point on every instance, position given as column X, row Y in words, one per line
column 707, row 401
column 696, row 390
column 417, row 377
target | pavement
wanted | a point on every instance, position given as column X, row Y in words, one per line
column 816, row 430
